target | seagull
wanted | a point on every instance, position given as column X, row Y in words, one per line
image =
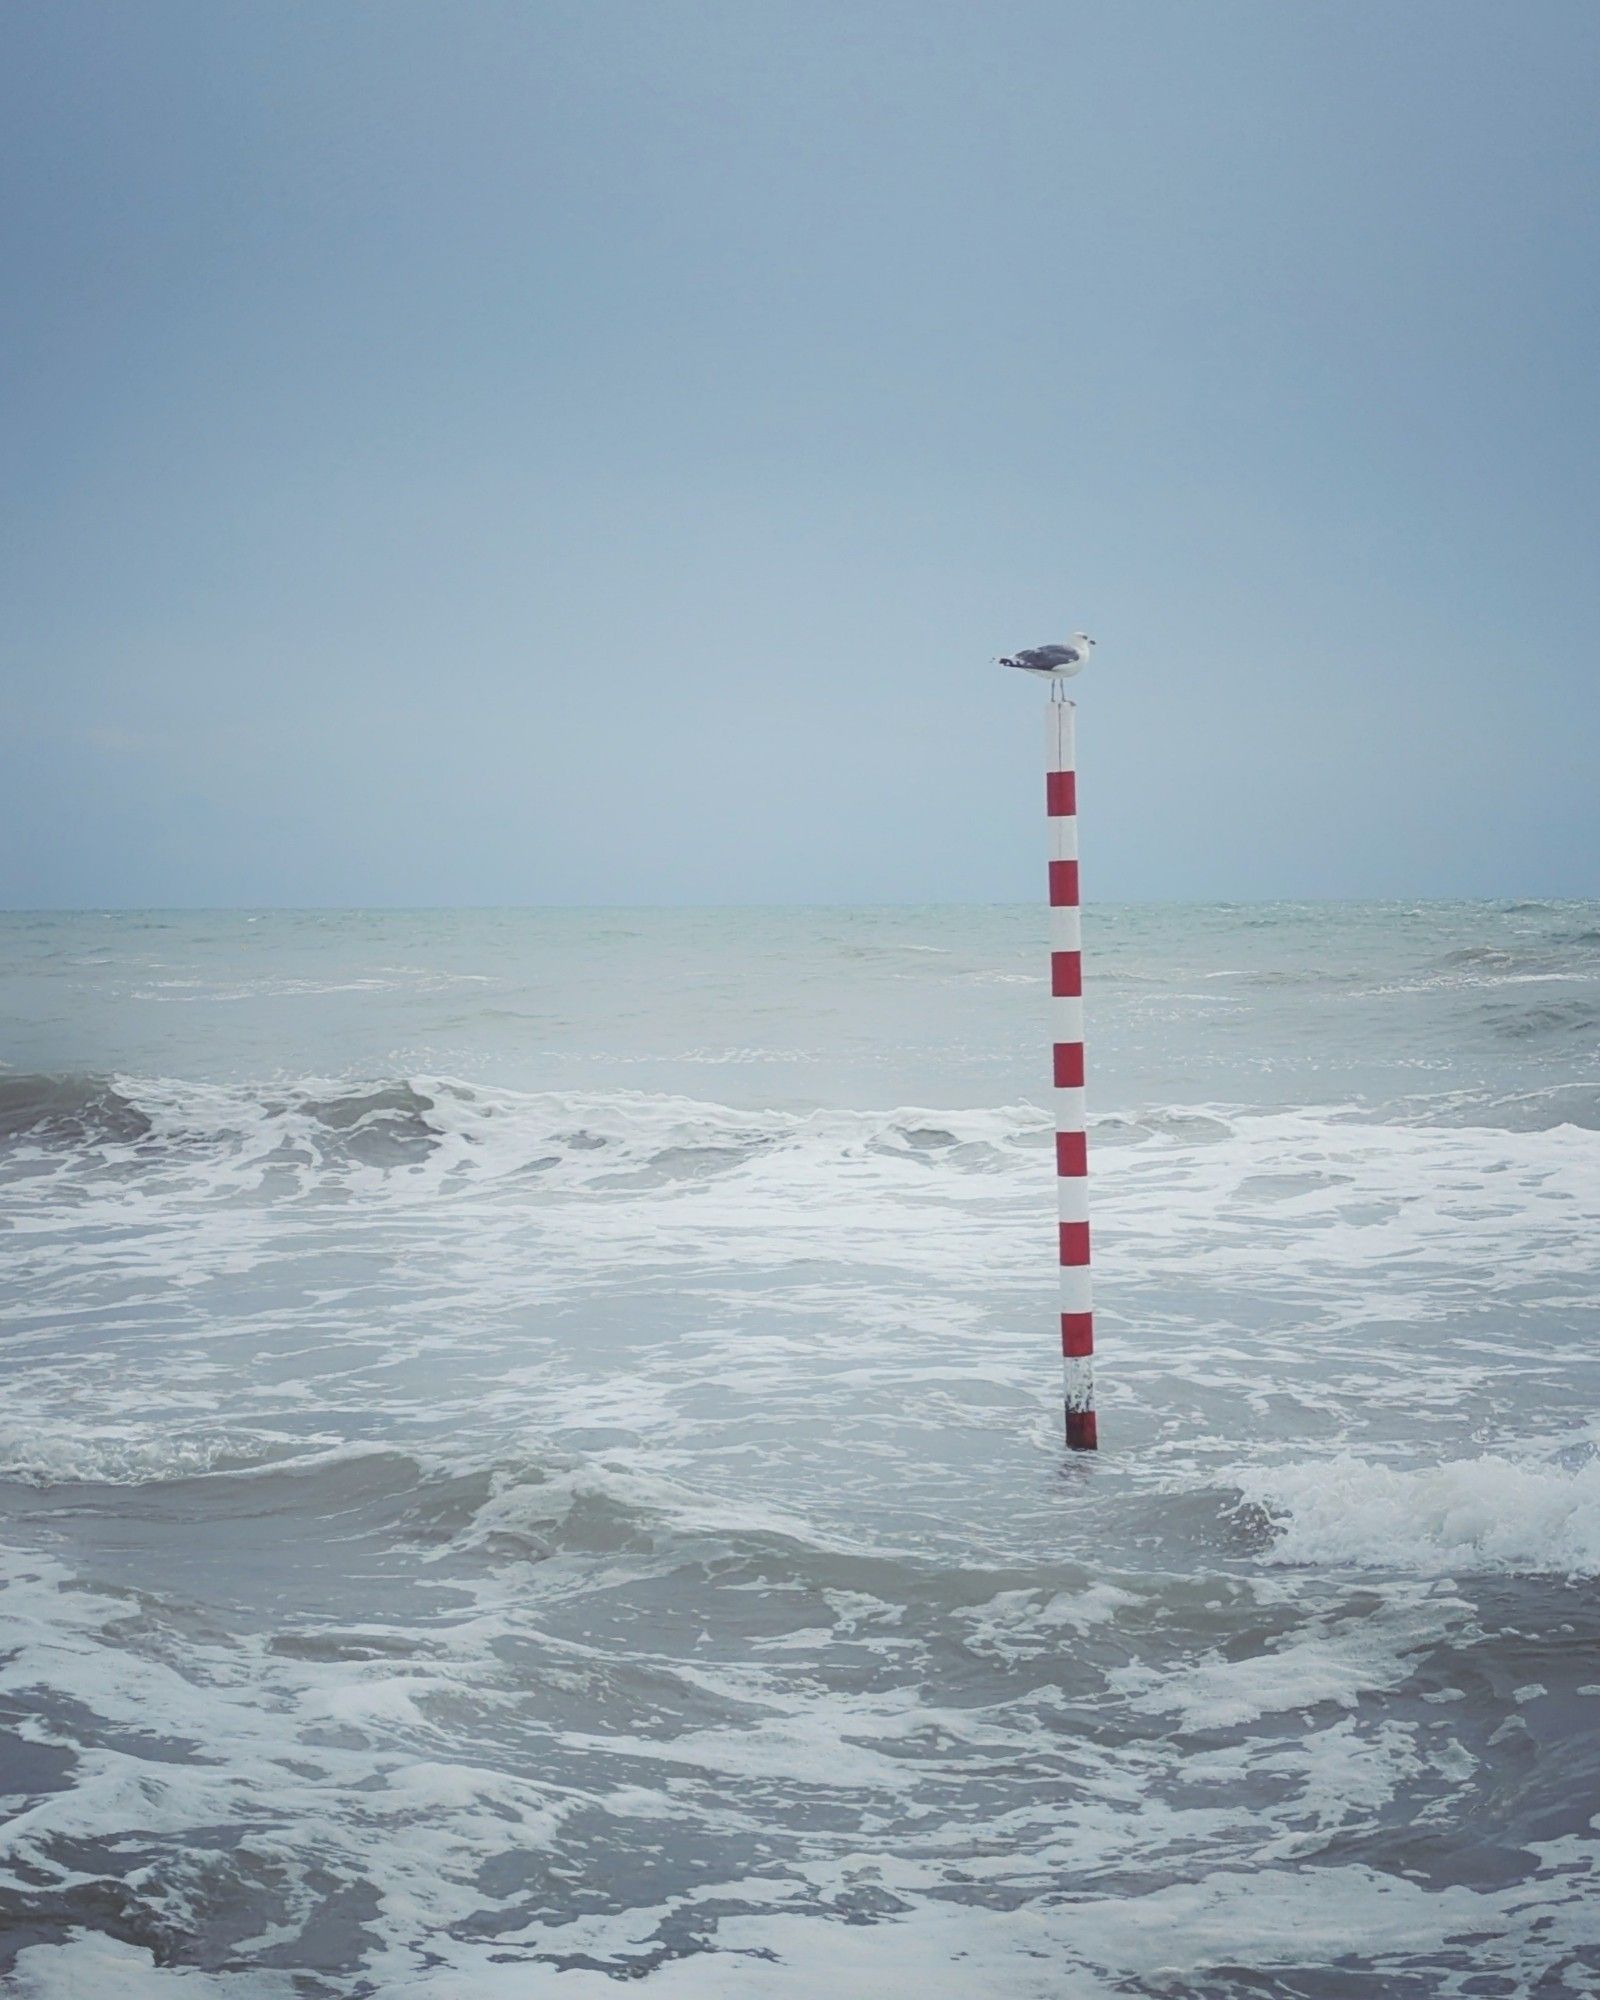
column 1054, row 663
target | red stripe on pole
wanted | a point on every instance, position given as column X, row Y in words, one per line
column 1082, row 1433
column 1060, row 793
column 1072, row 1150
column 1069, row 1065
column 1077, row 1334
column 1063, row 885
column 1074, row 1243
column 1066, row 974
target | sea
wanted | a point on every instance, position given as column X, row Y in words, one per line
column 531, row 1456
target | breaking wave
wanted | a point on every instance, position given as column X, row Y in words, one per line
column 1576, row 1104
column 67, row 1110
column 444, row 1122
column 1466, row 1515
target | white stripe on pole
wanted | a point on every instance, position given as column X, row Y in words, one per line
column 1075, row 1292
column 1072, row 1198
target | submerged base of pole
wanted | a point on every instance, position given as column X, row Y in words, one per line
column 1082, row 1434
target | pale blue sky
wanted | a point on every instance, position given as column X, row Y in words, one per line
column 505, row 453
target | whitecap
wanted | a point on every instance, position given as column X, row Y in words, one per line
column 1491, row 1513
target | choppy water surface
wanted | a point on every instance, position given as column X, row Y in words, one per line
column 529, row 1457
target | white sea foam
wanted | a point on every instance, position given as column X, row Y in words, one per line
column 90, row 1964
column 38, row 1454
column 1331, row 1663
column 1488, row 1513
column 1085, row 1946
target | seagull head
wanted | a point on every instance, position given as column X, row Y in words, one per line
column 1082, row 641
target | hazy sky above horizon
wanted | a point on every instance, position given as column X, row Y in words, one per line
column 574, row 451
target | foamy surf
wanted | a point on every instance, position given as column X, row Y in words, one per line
column 506, row 1489
column 1490, row 1513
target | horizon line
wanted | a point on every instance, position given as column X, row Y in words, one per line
column 1504, row 901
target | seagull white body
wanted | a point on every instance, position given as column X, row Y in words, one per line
column 1053, row 663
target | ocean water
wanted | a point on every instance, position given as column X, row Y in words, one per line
column 530, row 1457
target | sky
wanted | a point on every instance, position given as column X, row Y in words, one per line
column 569, row 451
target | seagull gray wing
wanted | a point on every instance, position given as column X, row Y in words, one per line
column 1045, row 657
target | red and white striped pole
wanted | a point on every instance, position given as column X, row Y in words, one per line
column 1066, row 1003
